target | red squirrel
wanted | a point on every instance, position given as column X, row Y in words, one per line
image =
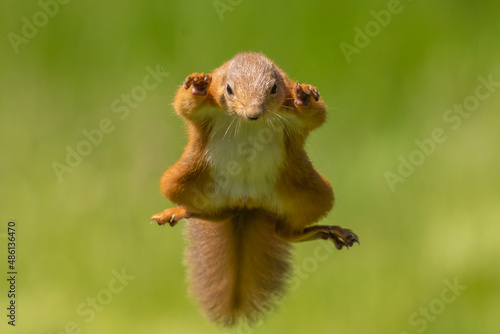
column 246, row 185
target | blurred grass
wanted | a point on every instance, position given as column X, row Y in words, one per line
column 441, row 223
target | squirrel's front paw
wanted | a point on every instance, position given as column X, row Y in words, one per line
column 303, row 93
column 198, row 82
column 171, row 216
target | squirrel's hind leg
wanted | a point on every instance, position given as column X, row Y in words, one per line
column 173, row 215
column 341, row 237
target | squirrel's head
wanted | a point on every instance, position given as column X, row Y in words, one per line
column 252, row 86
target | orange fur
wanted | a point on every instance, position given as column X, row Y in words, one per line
column 237, row 268
column 251, row 188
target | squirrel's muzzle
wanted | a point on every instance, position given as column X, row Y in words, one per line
column 254, row 112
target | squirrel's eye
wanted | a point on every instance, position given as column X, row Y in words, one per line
column 229, row 90
column 273, row 90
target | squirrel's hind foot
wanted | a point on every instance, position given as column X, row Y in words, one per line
column 171, row 216
column 341, row 237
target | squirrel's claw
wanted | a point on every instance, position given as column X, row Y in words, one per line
column 170, row 216
column 199, row 83
column 315, row 94
column 162, row 219
column 303, row 93
column 342, row 237
column 187, row 82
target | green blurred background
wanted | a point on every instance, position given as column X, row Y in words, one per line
column 441, row 224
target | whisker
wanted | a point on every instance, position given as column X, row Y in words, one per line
column 237, row 127
column 225, row 133
column 283, row 120
column 214, row 132
column 269, row 121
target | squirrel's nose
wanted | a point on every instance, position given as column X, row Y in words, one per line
column 254, row 112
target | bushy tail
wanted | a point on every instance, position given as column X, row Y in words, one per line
column 238, row 268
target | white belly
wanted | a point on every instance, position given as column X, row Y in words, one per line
column 245, row 159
